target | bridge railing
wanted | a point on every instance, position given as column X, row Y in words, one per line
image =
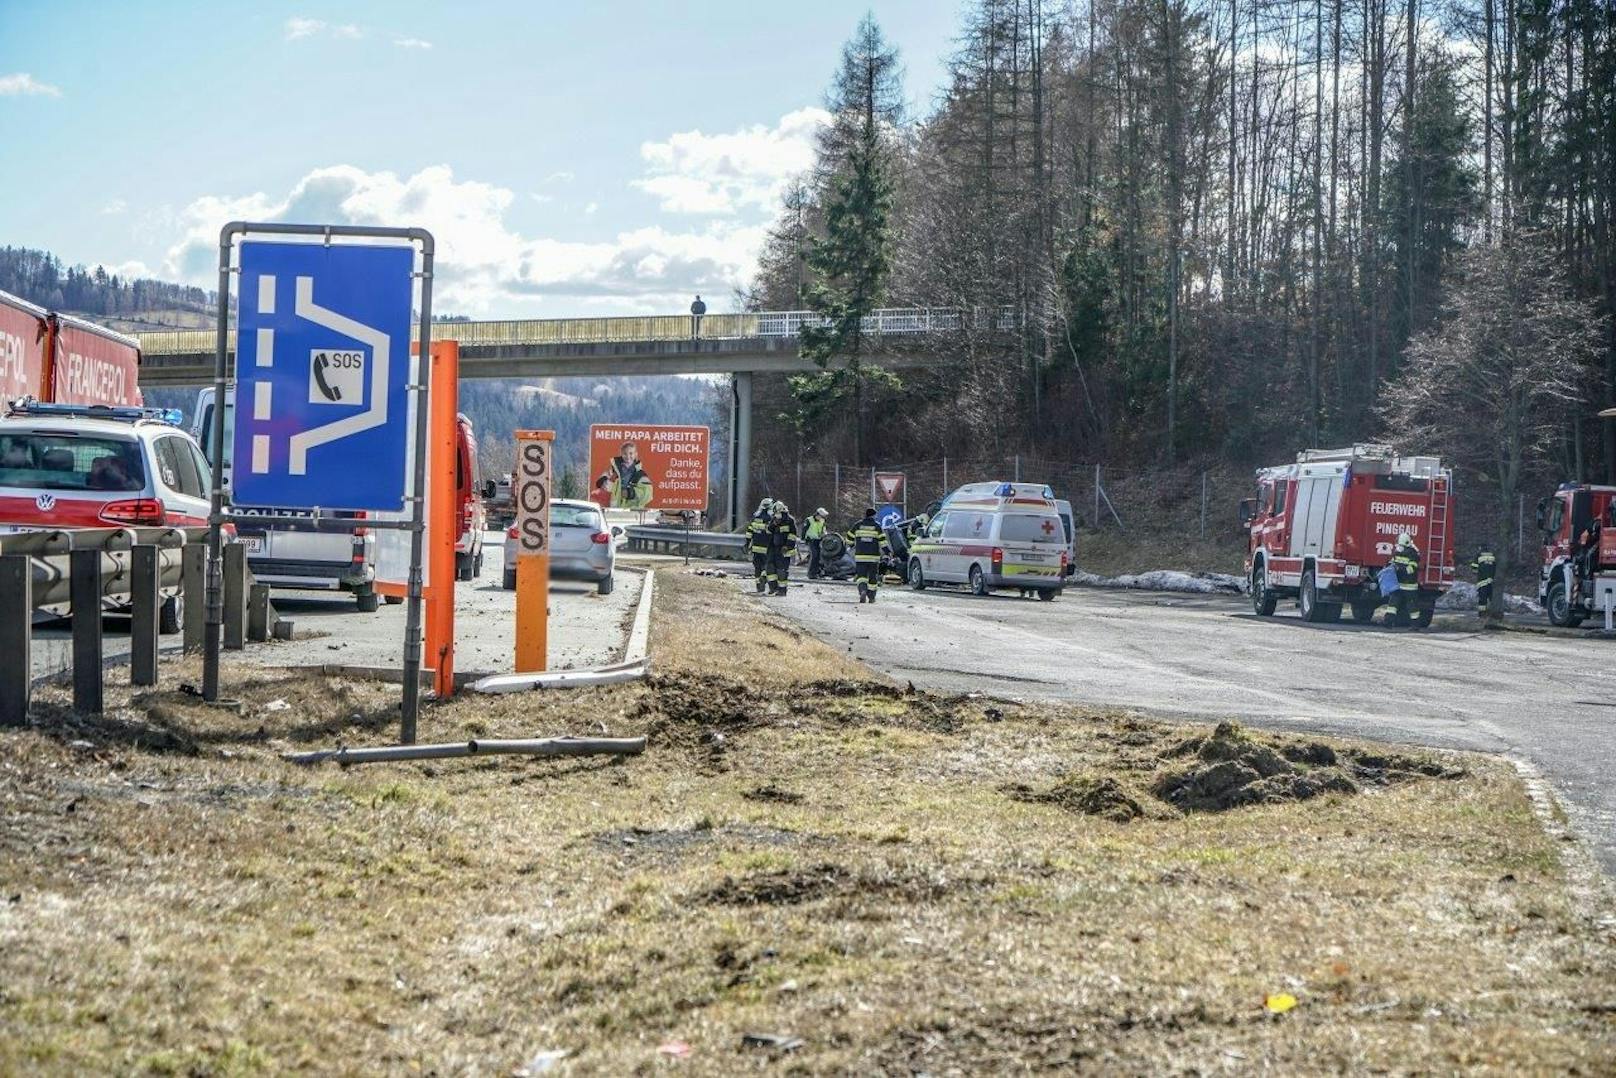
column 657, row 327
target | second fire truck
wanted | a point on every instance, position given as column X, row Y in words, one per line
column 1321, row 530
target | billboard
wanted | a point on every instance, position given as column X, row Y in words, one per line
column 644, row 466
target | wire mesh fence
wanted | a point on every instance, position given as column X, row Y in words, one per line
column 1191, row 501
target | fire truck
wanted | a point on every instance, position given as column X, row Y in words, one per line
column 1321, row 530
column 1577, row 574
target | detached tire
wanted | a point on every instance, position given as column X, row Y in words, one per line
column 831, row 547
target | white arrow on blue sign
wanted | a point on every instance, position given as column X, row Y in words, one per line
column 322, row 366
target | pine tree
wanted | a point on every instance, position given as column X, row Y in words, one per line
column 848, row 265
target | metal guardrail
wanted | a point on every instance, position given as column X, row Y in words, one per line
column 653, row 539
column 83, row 571
column 886, row 321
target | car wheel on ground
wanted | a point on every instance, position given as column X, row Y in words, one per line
column 171, row 617
column 367, row 600
column 477, row 565
column 979, row 583
column 1047, row 595
column 392, row 600
column 510, row 580
column 1314, row 608
column 605, row 586
column 917, row 576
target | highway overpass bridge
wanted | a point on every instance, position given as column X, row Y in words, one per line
column 738, row 345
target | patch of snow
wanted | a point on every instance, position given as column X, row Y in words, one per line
column 1462, row 596
column 1166, row 580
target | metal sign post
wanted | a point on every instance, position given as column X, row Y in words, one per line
column 531, row 486
column 322, row 365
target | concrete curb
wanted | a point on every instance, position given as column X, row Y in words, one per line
column 639, row 637
column 1594, row 891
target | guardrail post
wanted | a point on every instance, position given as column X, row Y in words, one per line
column 193, row 587
column 16, row 637
column 260, row 615
column 84, row 590
column 235, row 596
column 145, row 600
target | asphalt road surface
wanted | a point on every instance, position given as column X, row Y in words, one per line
column 586, row 628
column 1550, row 700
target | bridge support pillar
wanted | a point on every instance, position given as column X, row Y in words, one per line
column 740, row 458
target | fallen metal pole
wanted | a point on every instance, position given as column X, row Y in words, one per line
column 533, row 746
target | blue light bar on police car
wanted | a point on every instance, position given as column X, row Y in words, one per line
column 30, row 406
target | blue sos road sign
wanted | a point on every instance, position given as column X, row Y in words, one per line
column 888, row 515
column 322, row 362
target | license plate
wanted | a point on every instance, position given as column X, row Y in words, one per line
column 253, row 543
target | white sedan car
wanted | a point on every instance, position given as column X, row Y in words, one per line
column 582, row 546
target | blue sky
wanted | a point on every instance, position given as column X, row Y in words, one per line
column 579, row 158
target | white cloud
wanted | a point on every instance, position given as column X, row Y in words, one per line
column 560, row 176
column 24, row 84
column 727, row 173
column 589, row 210
column 541, row 199
column 484, row 267
column 299, row 27
column 411, row 43
column 114, row 207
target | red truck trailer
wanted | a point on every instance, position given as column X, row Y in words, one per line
column 1320, row 530
column 1577, row 572
column 60, row 359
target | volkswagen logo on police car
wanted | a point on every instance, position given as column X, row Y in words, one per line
column 45, row 502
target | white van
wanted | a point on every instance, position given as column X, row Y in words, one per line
column 993, row 535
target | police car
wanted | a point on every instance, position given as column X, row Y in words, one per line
column 93, row 466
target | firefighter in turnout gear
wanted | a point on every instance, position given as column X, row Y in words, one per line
column 815, row 534
column 782, row 545
column 867, row 538
column 757, row 534
column 1406, row 560
column 1484, row 567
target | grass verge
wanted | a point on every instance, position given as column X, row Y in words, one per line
column 901, row 882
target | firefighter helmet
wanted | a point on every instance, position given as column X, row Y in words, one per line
column 1405, row 540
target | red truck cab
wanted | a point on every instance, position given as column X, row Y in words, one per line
column 1577, row 566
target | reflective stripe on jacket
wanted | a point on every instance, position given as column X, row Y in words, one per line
column 867, row 538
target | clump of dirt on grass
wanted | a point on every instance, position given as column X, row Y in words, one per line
column 1231, row 767
column 704, row 711
column 1087, row 795
column 794, row 886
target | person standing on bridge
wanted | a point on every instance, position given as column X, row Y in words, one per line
column 782, row 545
column 757, row 536
column 867, row 538
column 815, row 534
column 697, row 309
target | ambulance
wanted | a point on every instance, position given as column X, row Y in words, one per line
column 993, row 535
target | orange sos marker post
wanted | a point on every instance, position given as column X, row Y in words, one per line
column 534, row 453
